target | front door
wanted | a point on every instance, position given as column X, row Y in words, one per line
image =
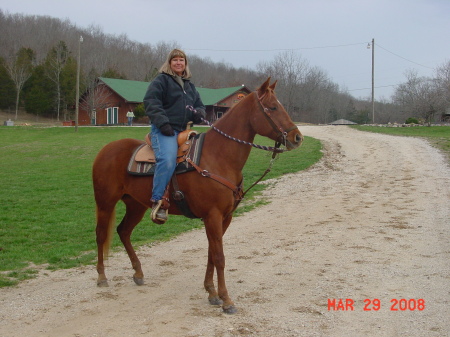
column 112, row 115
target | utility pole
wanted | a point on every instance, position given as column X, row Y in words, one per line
column 373, row 81
column 77, row 90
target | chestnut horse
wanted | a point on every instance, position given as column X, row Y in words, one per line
column 209, row 199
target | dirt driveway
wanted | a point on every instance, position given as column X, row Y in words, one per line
column 369, row 225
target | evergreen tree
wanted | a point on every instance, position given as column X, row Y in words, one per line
column 332, row 114
column 7, row 91
column 68, row 83
column 38, row 93
column 113, row 73
column 351, row 112
column 362, row 117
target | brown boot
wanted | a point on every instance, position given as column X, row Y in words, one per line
column 158, row 215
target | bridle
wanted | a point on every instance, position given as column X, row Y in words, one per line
column 281, row 133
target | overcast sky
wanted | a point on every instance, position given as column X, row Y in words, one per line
column 330, row 34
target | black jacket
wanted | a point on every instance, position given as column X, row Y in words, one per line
column 165, row 102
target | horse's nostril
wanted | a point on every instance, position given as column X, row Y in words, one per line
column 298, row 138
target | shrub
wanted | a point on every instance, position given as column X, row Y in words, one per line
column 139, row 111
column 412, row 120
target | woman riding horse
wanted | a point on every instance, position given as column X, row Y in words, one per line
column 166, row 101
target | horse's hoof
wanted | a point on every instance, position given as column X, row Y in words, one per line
column 102, row 283
column 229, row 309
column 138, row 281
column 215, row 300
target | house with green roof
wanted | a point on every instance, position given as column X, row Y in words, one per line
column 111, row 99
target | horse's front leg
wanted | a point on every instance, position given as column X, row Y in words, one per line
column 216, row 258
column 213, row 297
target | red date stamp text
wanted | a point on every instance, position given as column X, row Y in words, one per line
column 348, row 304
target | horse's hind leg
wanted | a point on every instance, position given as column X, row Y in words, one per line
column 134, row 214
column 105, row 222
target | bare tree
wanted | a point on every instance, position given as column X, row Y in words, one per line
column 20, row 68
column 97, row 97
column 443, row 85
column 306, row 92
column 55, row 63
column 291, row 71
column 419, row 97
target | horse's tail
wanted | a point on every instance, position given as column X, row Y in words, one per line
column 109, row 233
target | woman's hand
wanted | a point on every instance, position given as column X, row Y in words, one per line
column 197, row 117
column 167, row 130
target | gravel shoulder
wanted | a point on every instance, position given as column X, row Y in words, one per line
column 369, row 222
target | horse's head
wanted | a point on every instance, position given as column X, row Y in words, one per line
column 276, row 123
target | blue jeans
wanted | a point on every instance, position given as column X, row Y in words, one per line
column 165, row 148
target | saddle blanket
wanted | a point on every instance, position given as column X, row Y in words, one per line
column 145, row 168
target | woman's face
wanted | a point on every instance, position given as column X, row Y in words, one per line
column 178, row 65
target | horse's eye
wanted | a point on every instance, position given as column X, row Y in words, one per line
column 274, row 108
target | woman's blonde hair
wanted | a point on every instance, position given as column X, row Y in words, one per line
column 165, row 68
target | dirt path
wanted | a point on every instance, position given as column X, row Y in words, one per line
column 370, row 221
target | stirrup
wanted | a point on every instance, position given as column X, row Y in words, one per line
column 158, row 215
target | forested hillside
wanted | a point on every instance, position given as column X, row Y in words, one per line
column 38, row 67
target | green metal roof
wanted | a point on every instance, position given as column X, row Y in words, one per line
column 134, row 91
column 213, row 96
column 131, row 91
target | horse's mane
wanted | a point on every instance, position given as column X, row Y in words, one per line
column 223, row 120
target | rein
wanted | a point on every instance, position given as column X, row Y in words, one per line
column 237, row 190
column 275, row 149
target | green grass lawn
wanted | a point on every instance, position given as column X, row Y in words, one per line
column 47, row 208
column 438, row 136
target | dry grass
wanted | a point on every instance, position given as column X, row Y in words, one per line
column 24, row 118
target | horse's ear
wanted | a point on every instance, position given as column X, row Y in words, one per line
column 263, row 88
column 274, row 84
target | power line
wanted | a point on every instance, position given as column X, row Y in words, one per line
column 280, row 49
column 404, row 58
column 381, row 86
